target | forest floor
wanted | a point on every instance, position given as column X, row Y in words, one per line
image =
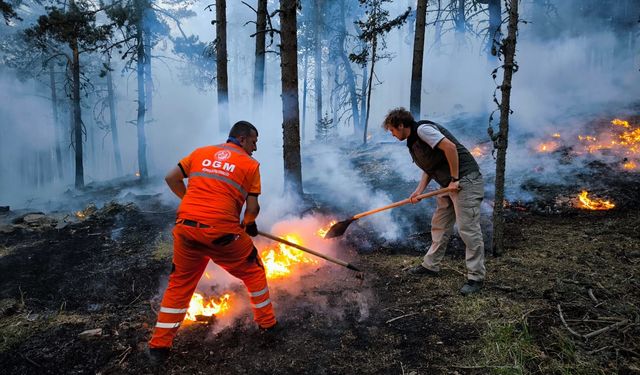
column 564, row 298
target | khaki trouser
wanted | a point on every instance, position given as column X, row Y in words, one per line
column 461, row 207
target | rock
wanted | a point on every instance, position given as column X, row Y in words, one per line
column 97, row 332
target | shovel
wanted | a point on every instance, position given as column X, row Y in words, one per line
column 306, row 250
column 340, row 227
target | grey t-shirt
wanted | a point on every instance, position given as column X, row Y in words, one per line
column 430, row 134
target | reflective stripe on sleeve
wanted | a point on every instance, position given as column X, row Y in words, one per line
column 170, row 310
column 259, row 293
column 220, row 178
column 167, row 325
column 262, row 304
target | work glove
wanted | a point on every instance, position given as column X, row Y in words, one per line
column 251, row 229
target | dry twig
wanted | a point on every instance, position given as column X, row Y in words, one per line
column 400, row 317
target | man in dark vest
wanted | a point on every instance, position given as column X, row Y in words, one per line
column 443, row 159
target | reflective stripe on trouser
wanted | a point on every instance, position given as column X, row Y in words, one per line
column 192, row 250
column 463, row 208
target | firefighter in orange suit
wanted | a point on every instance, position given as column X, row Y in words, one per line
column 222, row 179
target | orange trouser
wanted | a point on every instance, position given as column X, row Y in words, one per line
column 192, row 249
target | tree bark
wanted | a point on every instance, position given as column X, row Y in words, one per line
column 317, row 62
column 77, row 116
column 374, row 50
column 258, row 73
column 56, row 122
column 221, row 66
column 142, row 139
column 148, row 79
column 495, row 20
column 305, row 89
column 115, row 140
column 363, row 100
column 350, row 76
column 459, row 21
column 290, row 110
column 509, row 48
column 418, row 55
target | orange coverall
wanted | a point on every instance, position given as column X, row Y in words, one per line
column 208, row 227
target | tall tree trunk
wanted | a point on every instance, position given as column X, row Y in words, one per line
column 418, row 54
column 113, row 122
column 305, row 89
column 148, row 79
column 221, row 66
column 459, row 21
column 509, row 46
column 495, row 20
column 290, row 110
column 317, row 62
column 363, row 100
column 142, row 139
column 56, row 120
column 77, row 116
column 374, row 50
column 437, row 42
column 350, row 76
column 258, row 73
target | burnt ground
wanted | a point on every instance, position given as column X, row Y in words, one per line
column 564, row 298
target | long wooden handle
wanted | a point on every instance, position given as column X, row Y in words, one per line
column 403, row 202
column 289, row 243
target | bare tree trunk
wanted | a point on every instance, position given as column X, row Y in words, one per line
column 459, row 21
column 148, row 79
column 495, row 35
column 221, row 66
column 437, row 43
column 114, row 123
column 142, row 139
column 258, row 73
column 305, row 89
column 509, row 46
column 317, row 61
column 56, row 121
column 351, row 77
column 363, row 100
column 290, row 110
column 418, row 54
column 374, row 48
column 77, row 116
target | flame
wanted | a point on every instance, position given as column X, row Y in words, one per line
column 630, row 165
column 555, row 135
column 623, row 123
column 80, row 214
column 593, row 204
column 323, row 231
column 279, row 259
column 200, row 306
column 477, row 152
column 137, row 174
column 548, row 146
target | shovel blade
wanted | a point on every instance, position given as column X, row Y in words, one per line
column 338, row 228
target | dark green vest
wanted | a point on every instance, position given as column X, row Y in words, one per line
column 433, row 161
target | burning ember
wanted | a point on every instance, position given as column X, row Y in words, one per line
column 548, row 146
column 593, row 204
column 478, row 151
column 629, row 165
column 80, row 215
column 201, row 306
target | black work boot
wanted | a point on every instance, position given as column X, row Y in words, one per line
column 470, row 287
column 420, row 270
column 157, row 356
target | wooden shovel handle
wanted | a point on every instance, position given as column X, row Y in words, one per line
column 403, row 202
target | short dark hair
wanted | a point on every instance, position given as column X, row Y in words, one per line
column 242, row 128
column 396, row 117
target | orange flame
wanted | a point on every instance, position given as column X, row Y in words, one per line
column 593, row 204
column 547, row 146
column 555, row 135
column 323, row 231
column 279, row 259
column 477, row 152
column 200, row 306
column 630, row 165
column 623, row 123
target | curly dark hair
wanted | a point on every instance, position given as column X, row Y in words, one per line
column 396, row 117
